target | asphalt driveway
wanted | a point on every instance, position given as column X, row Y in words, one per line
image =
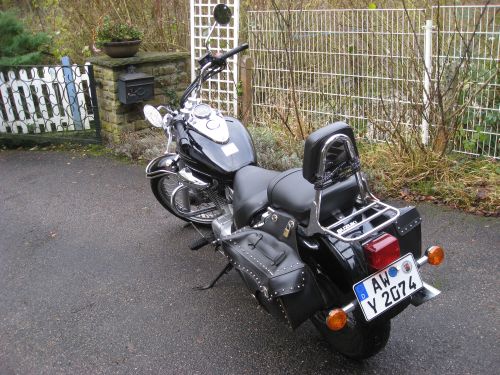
column 96, row 278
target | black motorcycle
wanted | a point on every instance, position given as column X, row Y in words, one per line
column 309, row 243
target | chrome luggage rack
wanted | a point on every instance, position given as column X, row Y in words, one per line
column 345, row 228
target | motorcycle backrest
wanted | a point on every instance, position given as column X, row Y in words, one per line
column 314, row 145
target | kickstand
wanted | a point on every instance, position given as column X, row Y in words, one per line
column 225, row 270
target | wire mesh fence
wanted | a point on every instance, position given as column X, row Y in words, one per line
column 469, row 38
column 368, row 67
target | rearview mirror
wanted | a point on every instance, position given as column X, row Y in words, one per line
column 153, row 116
column 222, row 14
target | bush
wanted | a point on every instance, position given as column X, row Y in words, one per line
column 17, row 45
column 275, row 150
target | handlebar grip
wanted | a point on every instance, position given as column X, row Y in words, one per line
column 232, row 52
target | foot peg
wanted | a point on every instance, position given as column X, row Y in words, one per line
column 199, row 243
column 225, row 270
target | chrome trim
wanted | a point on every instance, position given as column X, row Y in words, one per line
column 190, row 213
column 425, row 294
column 188, row 179
column 421, row 261
column 213, row 126
column 221, row 227
column 350, row 307
column 365, row 196
column 161, row 172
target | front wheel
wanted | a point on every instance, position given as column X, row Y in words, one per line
column 187, row 204
column 358, row 339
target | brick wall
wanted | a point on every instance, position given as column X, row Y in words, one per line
column 170, row 72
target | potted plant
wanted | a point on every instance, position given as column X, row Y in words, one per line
column 118, row 39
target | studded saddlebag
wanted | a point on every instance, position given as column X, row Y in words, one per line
column 269, row 263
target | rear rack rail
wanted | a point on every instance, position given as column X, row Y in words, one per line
column 342, row 232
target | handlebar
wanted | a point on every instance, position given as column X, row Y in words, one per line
column 215, row 65
column 230, row 53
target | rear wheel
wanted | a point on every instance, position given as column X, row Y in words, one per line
column 358, row 339
column 188, row 204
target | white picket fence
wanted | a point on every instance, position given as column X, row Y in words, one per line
column 359, row 65
column 42, row 99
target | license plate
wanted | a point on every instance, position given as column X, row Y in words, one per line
column 388, row 287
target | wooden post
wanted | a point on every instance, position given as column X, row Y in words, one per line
column 247, row 89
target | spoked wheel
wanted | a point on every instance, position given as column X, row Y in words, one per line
column 358, row 339
column 188, row 204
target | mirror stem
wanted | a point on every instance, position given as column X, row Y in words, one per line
column 207, row 41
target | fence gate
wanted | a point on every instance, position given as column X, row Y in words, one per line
column 221, row 90
column 47, row 102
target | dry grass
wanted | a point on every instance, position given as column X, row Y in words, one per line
column 471, row 184
column 467, row 183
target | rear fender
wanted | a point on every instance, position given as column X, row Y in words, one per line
column 162, row 166
column 343, row 262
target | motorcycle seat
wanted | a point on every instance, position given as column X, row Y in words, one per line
column 250, row 193
column 291, row 192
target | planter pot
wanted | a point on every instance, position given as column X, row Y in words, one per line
column 126, row 48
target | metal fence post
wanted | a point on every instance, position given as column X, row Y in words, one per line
column 93, row 98
column 427, row 81
column 69, row 81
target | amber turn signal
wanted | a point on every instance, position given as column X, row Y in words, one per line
column 435, row 255
column 336, row 319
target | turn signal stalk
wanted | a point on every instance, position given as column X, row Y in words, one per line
column 336, row 319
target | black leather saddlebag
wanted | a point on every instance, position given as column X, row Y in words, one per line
column 407, row 229
column 274, row 273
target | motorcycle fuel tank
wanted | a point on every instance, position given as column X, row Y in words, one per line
column 223, row 159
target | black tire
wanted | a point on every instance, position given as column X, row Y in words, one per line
column 162, row 195
column 357, row 340
column 160, row 198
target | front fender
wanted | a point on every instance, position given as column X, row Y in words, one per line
column 162, row 166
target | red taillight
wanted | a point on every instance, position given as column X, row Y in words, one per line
column 382, row 251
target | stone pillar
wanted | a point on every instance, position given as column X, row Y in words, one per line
column 170, row 72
